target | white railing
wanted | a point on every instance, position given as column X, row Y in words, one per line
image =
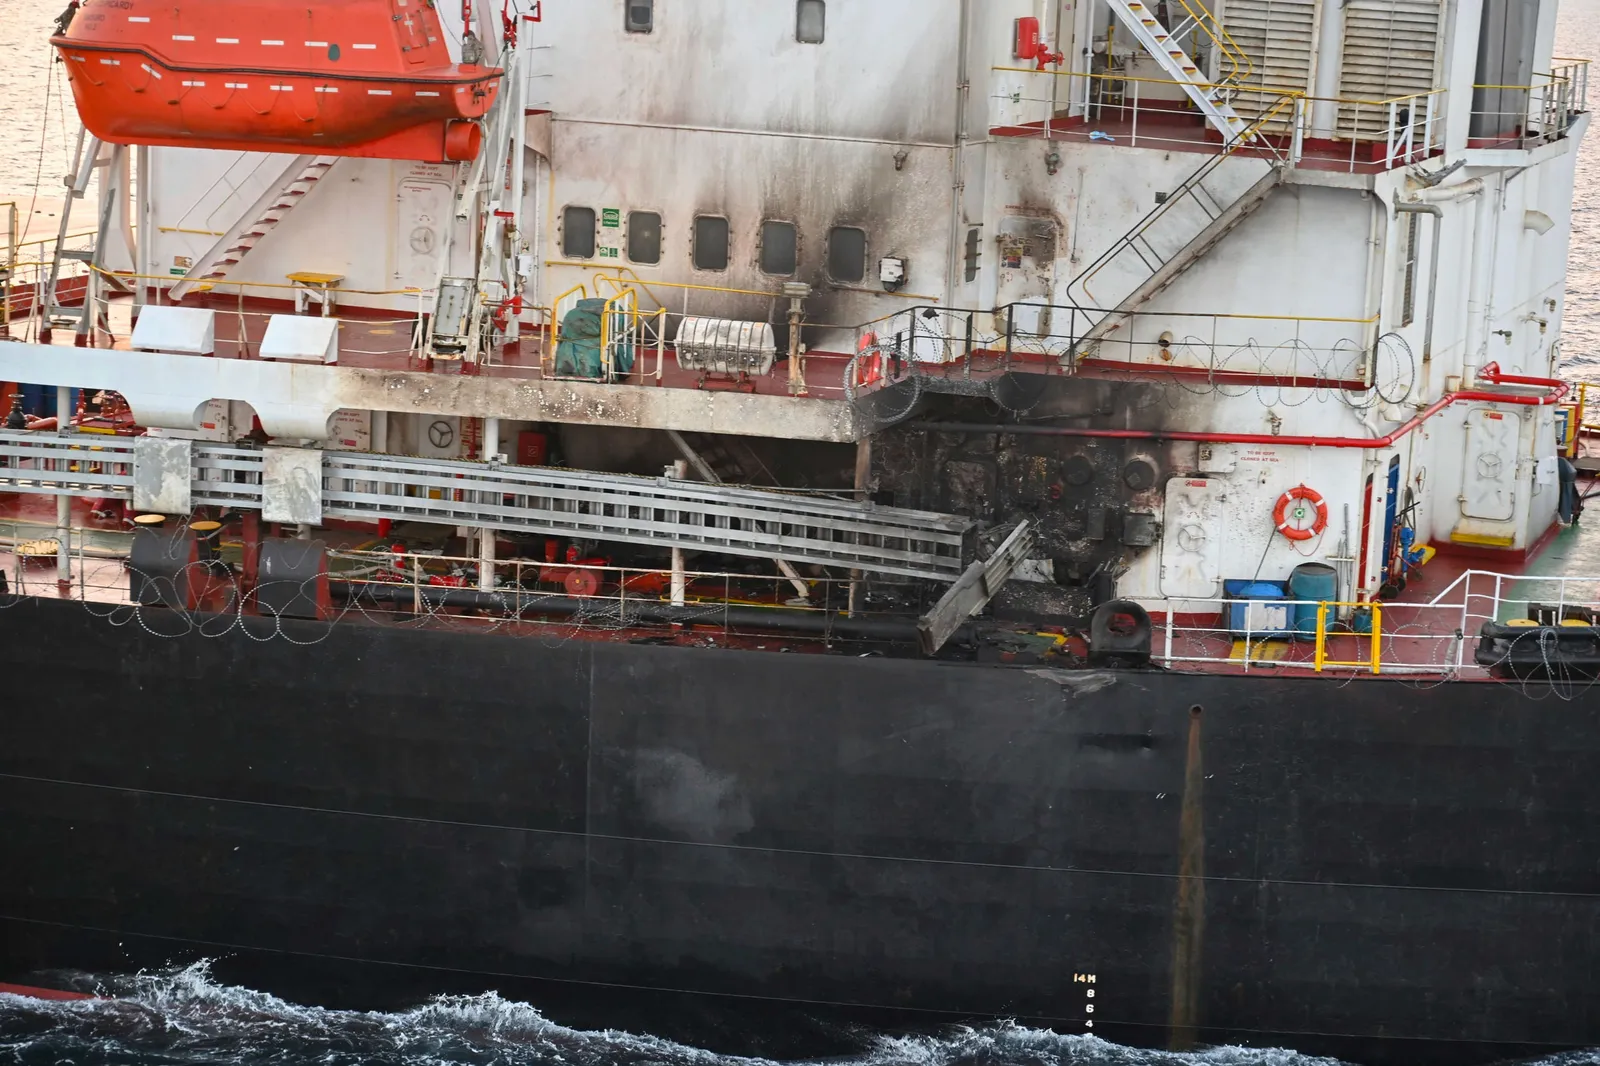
column 1523, row 116
column 1121, row 109
column 1367, row 638
column 1432, row 638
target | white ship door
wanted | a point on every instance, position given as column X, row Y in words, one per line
column 1489, row 478
column 1192, row 538
column 423, row 205
column 1027, row 272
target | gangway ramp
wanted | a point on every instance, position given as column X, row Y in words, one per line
column 615, row 508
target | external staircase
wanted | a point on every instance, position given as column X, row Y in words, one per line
column 1190, row 220
column 1211, row 97
column 288, row 192
column 91, row 154
column 1164, row 244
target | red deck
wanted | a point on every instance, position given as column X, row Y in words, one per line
column 1188, row 133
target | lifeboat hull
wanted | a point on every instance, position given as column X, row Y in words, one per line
column 346, row 78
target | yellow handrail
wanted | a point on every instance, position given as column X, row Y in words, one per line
column 1374, row 659
column 663, row 284
column 1204, row 19
column 1259, row 90
column 120, row 275
column 555, row 322
column 624, row 307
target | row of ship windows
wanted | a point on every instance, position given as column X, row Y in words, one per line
column 711, row 246
column 810, row 18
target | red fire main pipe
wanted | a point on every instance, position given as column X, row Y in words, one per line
column 1558, row 392
column 1492, row 373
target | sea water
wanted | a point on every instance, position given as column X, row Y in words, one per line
column 184, row 1016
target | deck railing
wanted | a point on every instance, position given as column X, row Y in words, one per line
column 1433, row 638
column 1370, row 134
column 1217, row 351
column 1526, row 116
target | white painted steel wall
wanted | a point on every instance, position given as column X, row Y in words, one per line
column 721, row 111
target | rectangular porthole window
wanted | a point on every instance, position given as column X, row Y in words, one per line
column 847, row 255
column 577, row 232
column 780, row 248
column 711, row 236
column 639, row 15
column 810, row 23
column 644, row 237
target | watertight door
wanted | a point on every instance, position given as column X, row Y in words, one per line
column 1489, row 479
column 1192, row 538
column 1027, row 272
column 423, row 203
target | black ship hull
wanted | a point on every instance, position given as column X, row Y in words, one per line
column 1386, row 871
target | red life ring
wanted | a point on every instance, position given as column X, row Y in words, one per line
column 869, row 368
column 1281, row 515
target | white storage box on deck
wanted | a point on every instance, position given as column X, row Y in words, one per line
column 185, row 330
column 296, row 339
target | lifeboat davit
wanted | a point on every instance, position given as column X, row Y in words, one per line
column 332, row 77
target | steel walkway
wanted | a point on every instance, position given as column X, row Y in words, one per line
column 172, row 476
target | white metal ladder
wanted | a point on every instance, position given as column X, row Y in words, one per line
column 270, row 209
column 91, row 154
column 1208, row 96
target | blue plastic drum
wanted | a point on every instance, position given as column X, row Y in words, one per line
column 1314, row 583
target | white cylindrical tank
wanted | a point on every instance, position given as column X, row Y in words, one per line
column 726, row 346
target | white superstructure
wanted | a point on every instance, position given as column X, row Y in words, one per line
column 1303, row 219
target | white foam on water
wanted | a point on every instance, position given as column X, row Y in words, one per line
column 185, row 1015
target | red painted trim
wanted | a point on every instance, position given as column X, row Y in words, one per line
column 1231, row 377
column 1366, row 537
column 1189, row 620
column 29, row 992
column 1501, row 556
column 1554, row 396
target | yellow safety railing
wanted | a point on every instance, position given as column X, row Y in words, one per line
column 1374, row 659
column 1538, row 112
column 1577, row 421
column 8, row 266
column 224, row 283
column 558, row 311
column 619, row 328
column 1237, row 58
column 1273, row 91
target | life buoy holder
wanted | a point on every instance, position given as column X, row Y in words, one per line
column 1297, row 498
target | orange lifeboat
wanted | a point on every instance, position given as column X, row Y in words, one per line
column 334, row 77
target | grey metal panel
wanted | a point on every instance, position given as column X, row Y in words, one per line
column 304, row 486
column 51, row 464
column 291, row 483
column 161, row 473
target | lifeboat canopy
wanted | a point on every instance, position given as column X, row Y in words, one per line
column 367, row 78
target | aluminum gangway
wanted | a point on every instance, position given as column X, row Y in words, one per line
column 304, row 485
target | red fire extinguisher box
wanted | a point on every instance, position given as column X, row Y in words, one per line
column 533, row 448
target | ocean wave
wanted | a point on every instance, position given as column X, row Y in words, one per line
column 185, row 1016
